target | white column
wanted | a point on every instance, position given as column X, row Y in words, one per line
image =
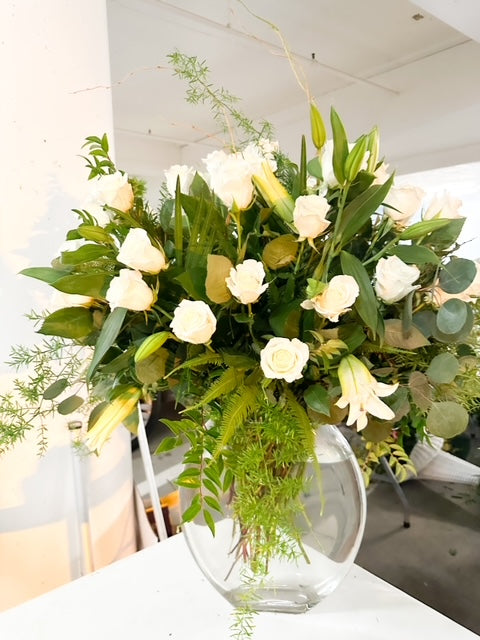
column 55, row 74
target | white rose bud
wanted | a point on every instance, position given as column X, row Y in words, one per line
column 338, row 298
column 381, row 174
column 283, row 358
column 309, row 216
column 60, row 300
column 130, row 291
column 193, row 321
column 137, row 252
column 443, row 206
column 394, row 279
column 406, row 201
column 230, row 177
column 246, row 281
column 182, row 171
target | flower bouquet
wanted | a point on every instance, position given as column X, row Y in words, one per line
column 270, row 297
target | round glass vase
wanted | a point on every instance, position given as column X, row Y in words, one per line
column 330, row 528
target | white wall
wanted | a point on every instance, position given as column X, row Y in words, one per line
column 53, row 56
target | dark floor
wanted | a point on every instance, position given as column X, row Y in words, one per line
column 436, row 559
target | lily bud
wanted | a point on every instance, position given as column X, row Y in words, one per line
column 274, row 193
column 319, row 133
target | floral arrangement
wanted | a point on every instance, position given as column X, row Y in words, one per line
column 265, row 290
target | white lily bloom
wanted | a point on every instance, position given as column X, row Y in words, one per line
column 362, row 392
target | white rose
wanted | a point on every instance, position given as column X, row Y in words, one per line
column 337, row 298
column 471, row 293
column 381, row 174
column 246, row 281
column 309, row 216
column 394, row 279
column 230, row 177
column 112, row 190
column 402, row 203
column 137, row 252
column 256, row 154
column 443, row 206
column 193, row 321
column 130, row 291
column 283, row 358
column 182, row 171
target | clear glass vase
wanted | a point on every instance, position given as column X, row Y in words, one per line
column 331, row 526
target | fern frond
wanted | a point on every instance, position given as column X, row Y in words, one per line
column 236, row 411
column 304, row 421
column 199, row 361
column 226, row 383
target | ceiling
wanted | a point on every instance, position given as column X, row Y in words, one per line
column 390, row 63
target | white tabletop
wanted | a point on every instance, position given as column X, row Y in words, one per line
column 160, row 593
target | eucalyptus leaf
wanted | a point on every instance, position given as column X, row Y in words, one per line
column 457, row 275
column 285, row 320
column 452, row 316
column 314, row 168
column 447, row 419
column 443, row 368
column 460, row 335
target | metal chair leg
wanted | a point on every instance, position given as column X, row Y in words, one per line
column 398, row 490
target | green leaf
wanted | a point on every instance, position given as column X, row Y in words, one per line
column 193, row 510
column 452, row 316
column 443, row 368
column 396, row 337
column 152, row 368
column 167, row 444
column 86, row 253
column 69, row 405
column 86, row 284
column 360, row 209
column 210, row 486
column 95, row 233
column 447, row 419
column 110, row 330
column 340, row 146
column 46, row 274
column 55, row 389
column 366, row 304
column 457, row 275
column 415, row 254
column 421, row 229
column 285, row 320
column 316, row 398
column 213, row 504
column 70, row 322
column 209, row 521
